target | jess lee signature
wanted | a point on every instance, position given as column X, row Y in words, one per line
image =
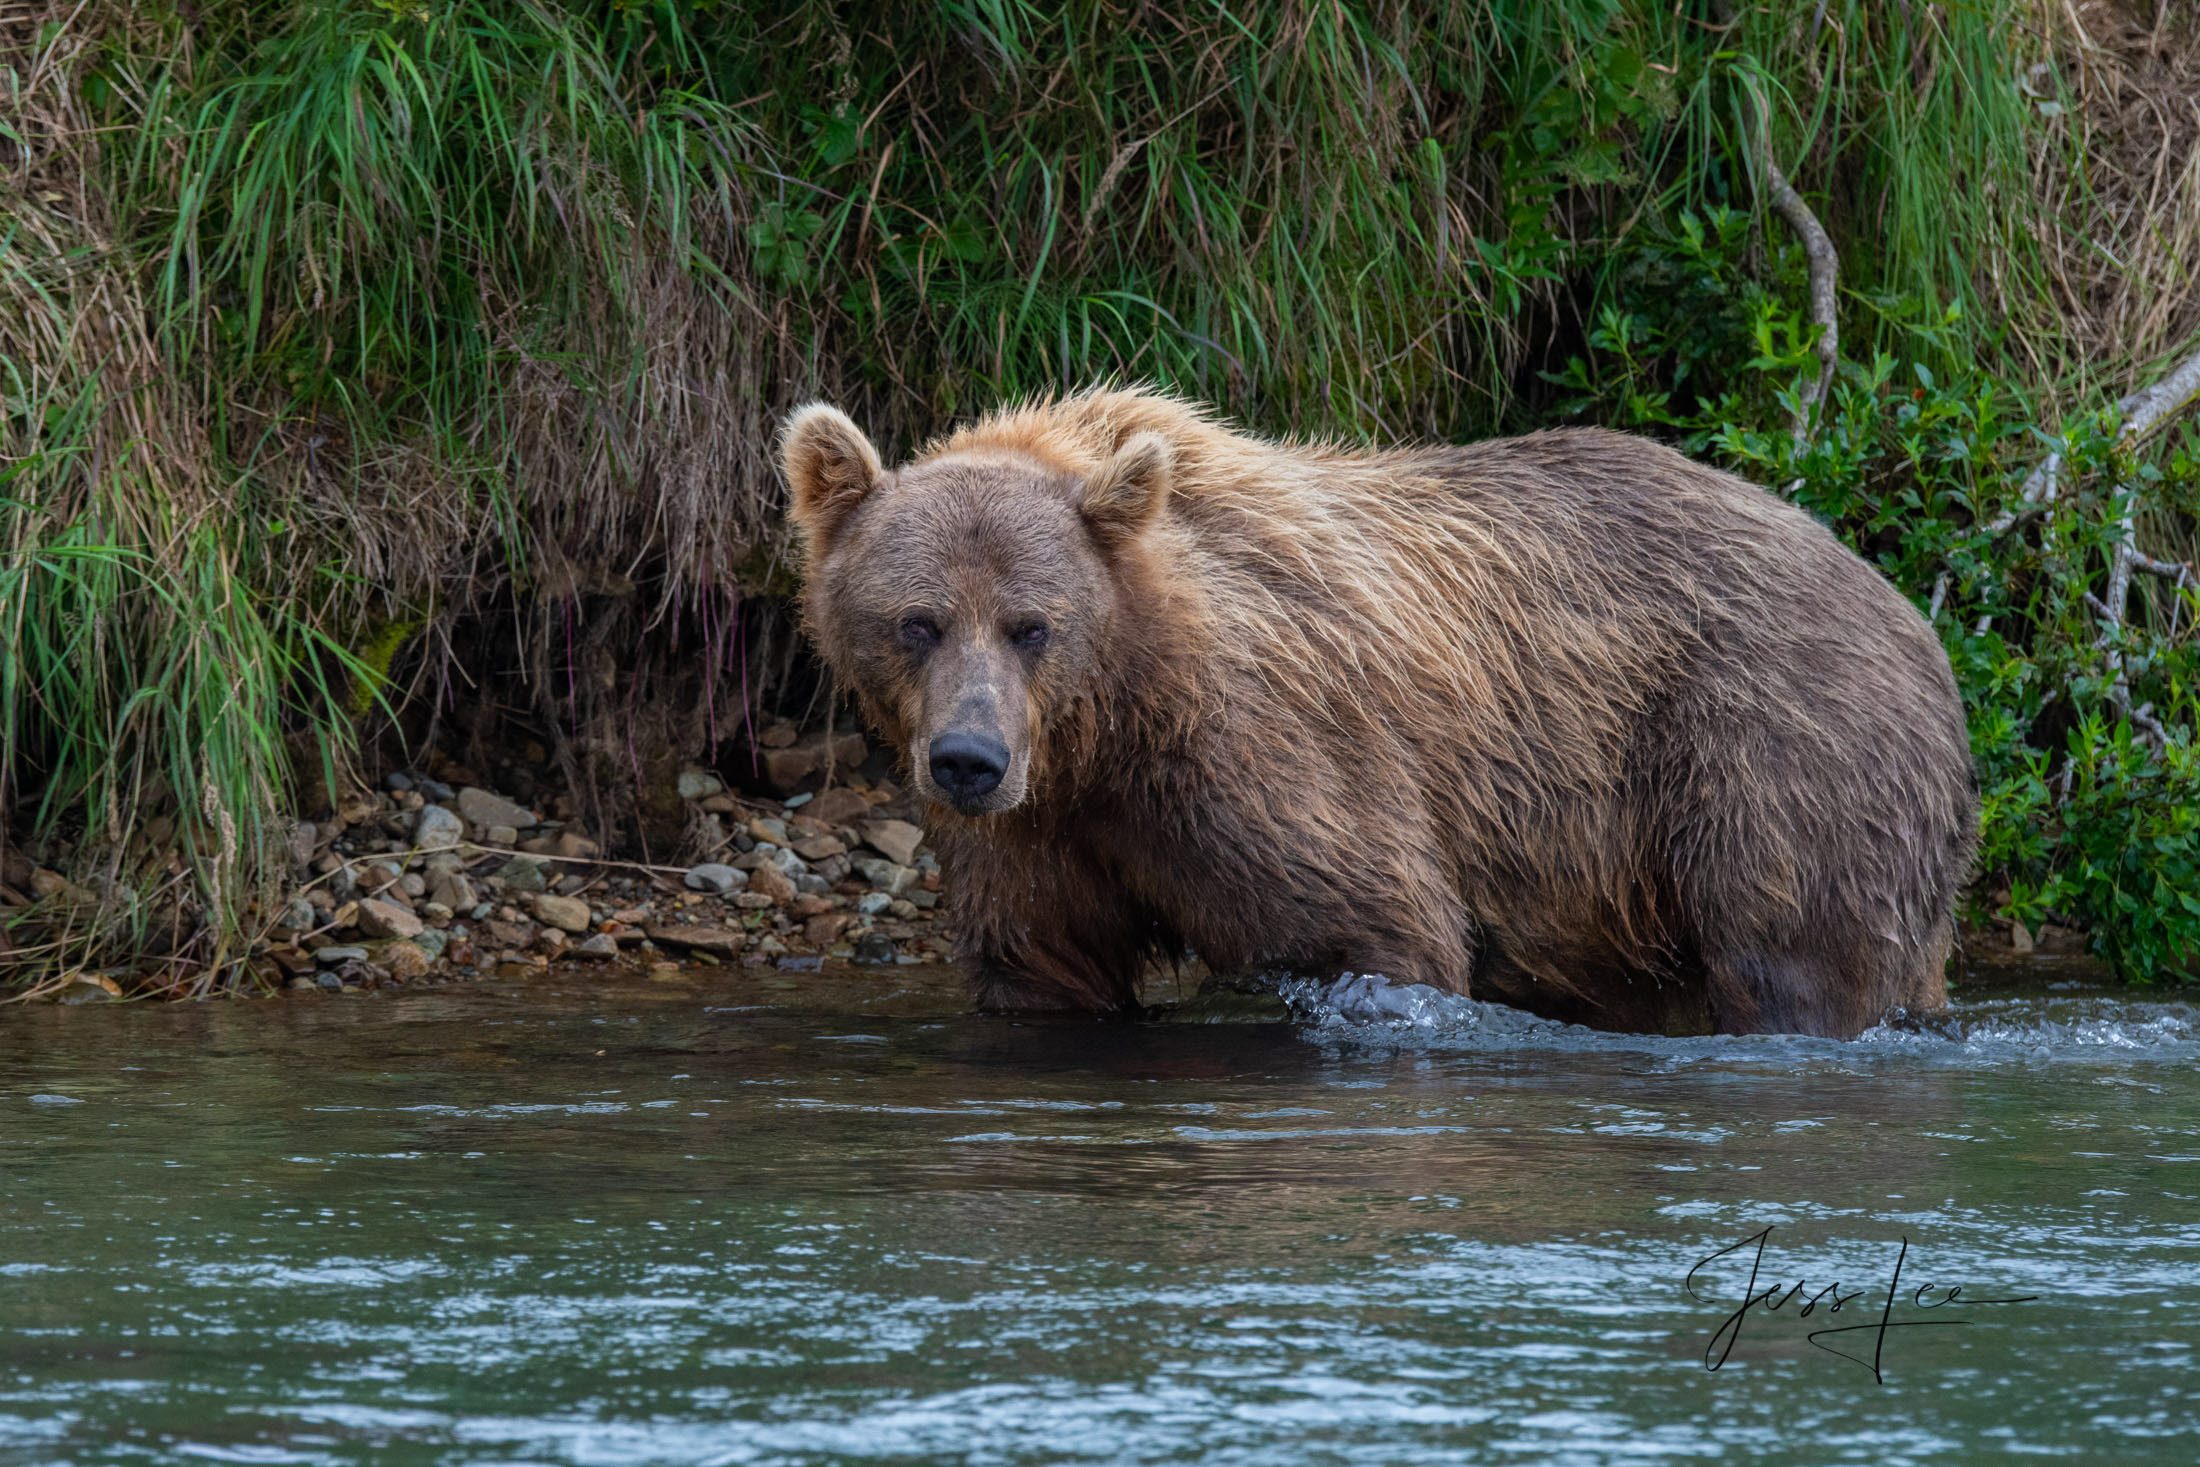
column 1833, row 1298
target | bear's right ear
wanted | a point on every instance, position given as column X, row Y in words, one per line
column 1125, row 494
column 831, row 467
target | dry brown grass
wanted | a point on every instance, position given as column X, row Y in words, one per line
column 2126, row 261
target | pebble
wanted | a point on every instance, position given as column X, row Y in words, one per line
column 437, row 829
column 433, row 942
column 824, row 930
column 524, row 874
column 764, row 828
column 602, row 945
column 405, row 961
column 501, row 835
column 698, row 784
column 771, row 882
column 397, row 781
column 304, row 837
column 896, row 840
column 711, row 876
column 724, row 941
column 873, row 948
column 841, row 806
column 752, row 901
column 567, row 913
column 484, row 810
column 871, row 903
column 885, row 875
column 796, row 802
column 386, row 919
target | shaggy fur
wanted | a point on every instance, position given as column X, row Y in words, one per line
column 1568, row 720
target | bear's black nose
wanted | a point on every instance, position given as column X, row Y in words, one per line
column 968, row 766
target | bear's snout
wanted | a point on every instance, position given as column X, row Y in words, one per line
column 968, row 766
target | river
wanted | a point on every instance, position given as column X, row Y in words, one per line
column 822, row 1218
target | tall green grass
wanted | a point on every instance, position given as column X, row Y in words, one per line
column 338, row 335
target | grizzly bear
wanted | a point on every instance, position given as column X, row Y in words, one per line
column 1566, row 721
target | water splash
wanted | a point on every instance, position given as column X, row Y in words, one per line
column 1367, row 1007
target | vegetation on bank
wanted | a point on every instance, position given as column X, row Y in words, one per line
column 380, row 370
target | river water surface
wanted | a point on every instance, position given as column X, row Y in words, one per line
column 782, row 1218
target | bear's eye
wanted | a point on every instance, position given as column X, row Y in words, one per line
column 920, row 631
column 1029, row 634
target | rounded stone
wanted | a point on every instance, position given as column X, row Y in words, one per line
column 715, row 877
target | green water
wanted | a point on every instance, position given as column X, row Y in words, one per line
column 565, row 1224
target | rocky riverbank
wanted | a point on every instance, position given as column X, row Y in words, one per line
column 422, row 880
column 432, row 879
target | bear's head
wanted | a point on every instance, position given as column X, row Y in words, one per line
column 967, row 597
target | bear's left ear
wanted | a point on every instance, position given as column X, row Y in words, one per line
column 831, row 467
column 1125, row 494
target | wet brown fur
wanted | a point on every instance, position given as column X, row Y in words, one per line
column 1566, row 720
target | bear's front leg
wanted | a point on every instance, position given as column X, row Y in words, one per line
column 1039, row 925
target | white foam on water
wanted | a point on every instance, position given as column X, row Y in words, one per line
column 1369, row 1008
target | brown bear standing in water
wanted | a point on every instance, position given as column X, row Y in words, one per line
column 1567, row 721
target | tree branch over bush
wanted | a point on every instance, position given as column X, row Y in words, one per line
column 1825, row 262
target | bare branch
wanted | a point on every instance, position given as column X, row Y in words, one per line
column 1825, row 264
column 2145, row 411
